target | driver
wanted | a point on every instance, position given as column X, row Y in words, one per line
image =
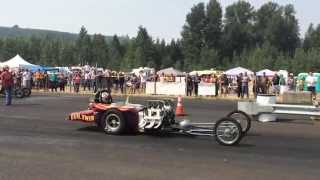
column 107, row 98
column 104, row 97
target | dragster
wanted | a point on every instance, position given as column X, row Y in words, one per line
column 158, row 116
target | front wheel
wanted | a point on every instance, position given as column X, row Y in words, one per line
column 243, row 119
column 113, row 122
column 228, row 132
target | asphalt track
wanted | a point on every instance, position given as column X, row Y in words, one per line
column 36, row 143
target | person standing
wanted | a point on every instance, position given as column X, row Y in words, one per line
column 115, row 80
column 282, row 80
column 224, row 84
column 245, row 85
column 162, row 78
column 45, row 80
column 276, row 83
column 196, row 81
column 99, row 80
column 255, row 85
column 143, row 82
column 7, row 83
column 215, row 81
column 26, row 77
column 239, row 83
column 291, row 82
column 18, row 79
column 53, row 82
column 108, row 80
column 121, row 82
column 311, row 83
column 93, row 80
column 87, row 79
column 134, row 84
column 61, row 81
column 189, row 86
column 37, row 77
column 77, row 81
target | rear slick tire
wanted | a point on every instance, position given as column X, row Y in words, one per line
column 19, row 93
column 26, row 92
column 113, row 122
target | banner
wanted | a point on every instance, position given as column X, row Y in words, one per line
column 178, row 88
column 166, row 88
column 207, row 89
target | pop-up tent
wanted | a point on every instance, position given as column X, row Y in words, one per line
column 267, row 72
column 203, row 72
column 170, row 71
column 236, row 71
column 145, row 70
column 19, row 62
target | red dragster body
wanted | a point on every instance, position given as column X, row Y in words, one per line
column 98, row 112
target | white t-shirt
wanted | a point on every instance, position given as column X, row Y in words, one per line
column 143, row 78
column 26, row 76
column 311, row 81
column 87, row 76
column 107, row 73
column 92, row 75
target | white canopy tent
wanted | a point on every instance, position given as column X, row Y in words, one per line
column 204, row 72
column 145, row 70
column 267, row 72
column 17, row 62
column 170, row 71
column 236, row 71
column 284, row 73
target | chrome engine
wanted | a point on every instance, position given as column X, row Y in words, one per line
column 157, row 115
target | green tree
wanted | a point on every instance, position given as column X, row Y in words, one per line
column 263, row 19
column 192, row 35
column 262, row 58
column 145, row 53
column 312, row 38
column 67, row 54
column 209, row 58
column 238, row 31
column 83, row 47
column 176, row 54
column 162, row 54
column 116, row 53
column 35, row 49
column 100, row 51
column 10, row 48
column 129, row 60
column 1, row 50
column 213, row 27
column 283, row 31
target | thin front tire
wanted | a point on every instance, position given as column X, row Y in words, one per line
column 228, row 132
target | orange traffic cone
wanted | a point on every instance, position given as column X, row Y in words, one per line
column 179, row 109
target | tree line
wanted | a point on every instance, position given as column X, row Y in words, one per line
column 267, row 37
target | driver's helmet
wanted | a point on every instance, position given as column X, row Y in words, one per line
column 105, row 97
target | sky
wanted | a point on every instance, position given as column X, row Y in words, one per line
column 162, row 18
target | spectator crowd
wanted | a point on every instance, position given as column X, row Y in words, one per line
column 93, row 79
